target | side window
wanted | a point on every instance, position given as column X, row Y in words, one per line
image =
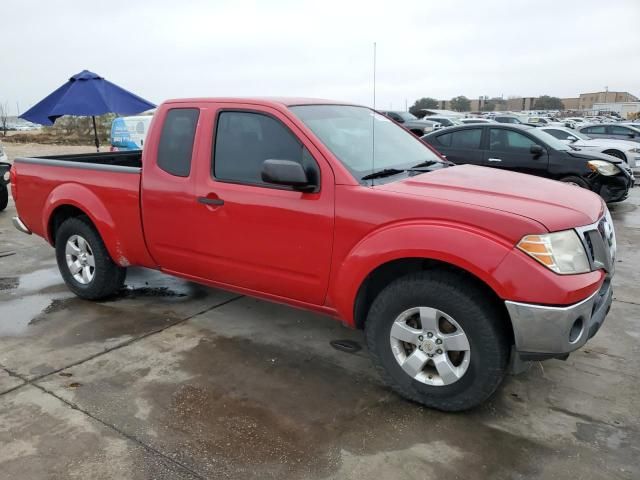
column 466, row 138
column 444, row 140
column 617, row 130
column 501, row 140
column 244, row 140
column 176, row 141
column 596, row 129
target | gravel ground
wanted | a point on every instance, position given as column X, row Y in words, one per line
column 14, row 150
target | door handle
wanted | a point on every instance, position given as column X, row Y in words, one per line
column 210, row 201
column 494, row 159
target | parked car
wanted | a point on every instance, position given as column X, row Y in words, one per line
column 526, row 149
column 542, row 121
column 475, row 120
column 452, row 271
column 578, row 121
column 622, row 149
column 412, row 123
column 129, row 133
column 444, row 121
column 4, row 179
column 507, row 119
column 611, row 130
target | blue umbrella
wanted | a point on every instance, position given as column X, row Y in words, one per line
column 86, row 94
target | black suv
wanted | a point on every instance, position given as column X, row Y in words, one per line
column 525, row 149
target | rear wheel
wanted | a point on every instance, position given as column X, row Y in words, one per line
column 84, row 262
column 4, row 197
column 436, row 339
column 617, row 154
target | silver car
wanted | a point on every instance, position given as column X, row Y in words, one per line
column 611, row 130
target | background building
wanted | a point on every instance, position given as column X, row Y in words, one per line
column 587, row 100
column 621, row 108
column 571, row 103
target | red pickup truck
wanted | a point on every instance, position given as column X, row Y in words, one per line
column 456, row 273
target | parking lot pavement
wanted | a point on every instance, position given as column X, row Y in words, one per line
column 174, row 380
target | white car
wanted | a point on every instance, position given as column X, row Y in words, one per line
column 577, row 121
column 622, row 149
column 475, row 120
column 3, row 155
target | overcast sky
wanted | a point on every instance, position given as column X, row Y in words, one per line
column 322, row 48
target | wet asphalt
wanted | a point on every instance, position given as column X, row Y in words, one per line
column 174, row 380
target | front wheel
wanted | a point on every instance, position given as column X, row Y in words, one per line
column 84, row 262
column 577, row 181
column 617, row 154
column 436, row 339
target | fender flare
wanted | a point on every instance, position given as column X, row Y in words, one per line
column 91, row 206
column 474, row 250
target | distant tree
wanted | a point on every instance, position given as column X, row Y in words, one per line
column 424, row 102
column 4, row 116
column 492, row 104
column 461, row 104
column 545, row 102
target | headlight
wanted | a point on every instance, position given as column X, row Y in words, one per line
column 603, row 168
column 427, row 129
column 6, row 176
column 635, row 150
column 561, row 252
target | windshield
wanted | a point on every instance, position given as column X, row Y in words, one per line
column 579, row 135
column 549, row 139
column 349, row 132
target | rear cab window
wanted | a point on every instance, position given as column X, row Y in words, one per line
column 176, row 141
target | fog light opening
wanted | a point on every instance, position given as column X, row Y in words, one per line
column 576, row 330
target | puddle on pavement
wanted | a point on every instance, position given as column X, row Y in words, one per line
column 26, row 297
column 261, row 411
column 34, row 297
column 142, row 283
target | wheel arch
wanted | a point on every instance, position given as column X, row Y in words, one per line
column 394, row 252
column 63, row 203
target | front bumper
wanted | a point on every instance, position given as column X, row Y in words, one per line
column 616, row 188
column 543, row 332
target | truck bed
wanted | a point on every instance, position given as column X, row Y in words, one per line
column 108, row 185
column 107, row 159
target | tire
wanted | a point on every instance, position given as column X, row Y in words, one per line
column 460, row 299
column 75, row 236
column 4, row 197
column 617, row 154
column 573, row 180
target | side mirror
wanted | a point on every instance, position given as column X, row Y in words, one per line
column 572, row 139
column 286, row 172
column 536, row 150
column 632, row 135
column 399, row 120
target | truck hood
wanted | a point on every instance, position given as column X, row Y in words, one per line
column 557, row 206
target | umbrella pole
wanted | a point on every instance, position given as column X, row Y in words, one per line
column 95, row 133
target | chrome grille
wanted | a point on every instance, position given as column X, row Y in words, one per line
column 599, row 241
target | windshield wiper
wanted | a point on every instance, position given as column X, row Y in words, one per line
column 428, row 163
column 385, row 172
